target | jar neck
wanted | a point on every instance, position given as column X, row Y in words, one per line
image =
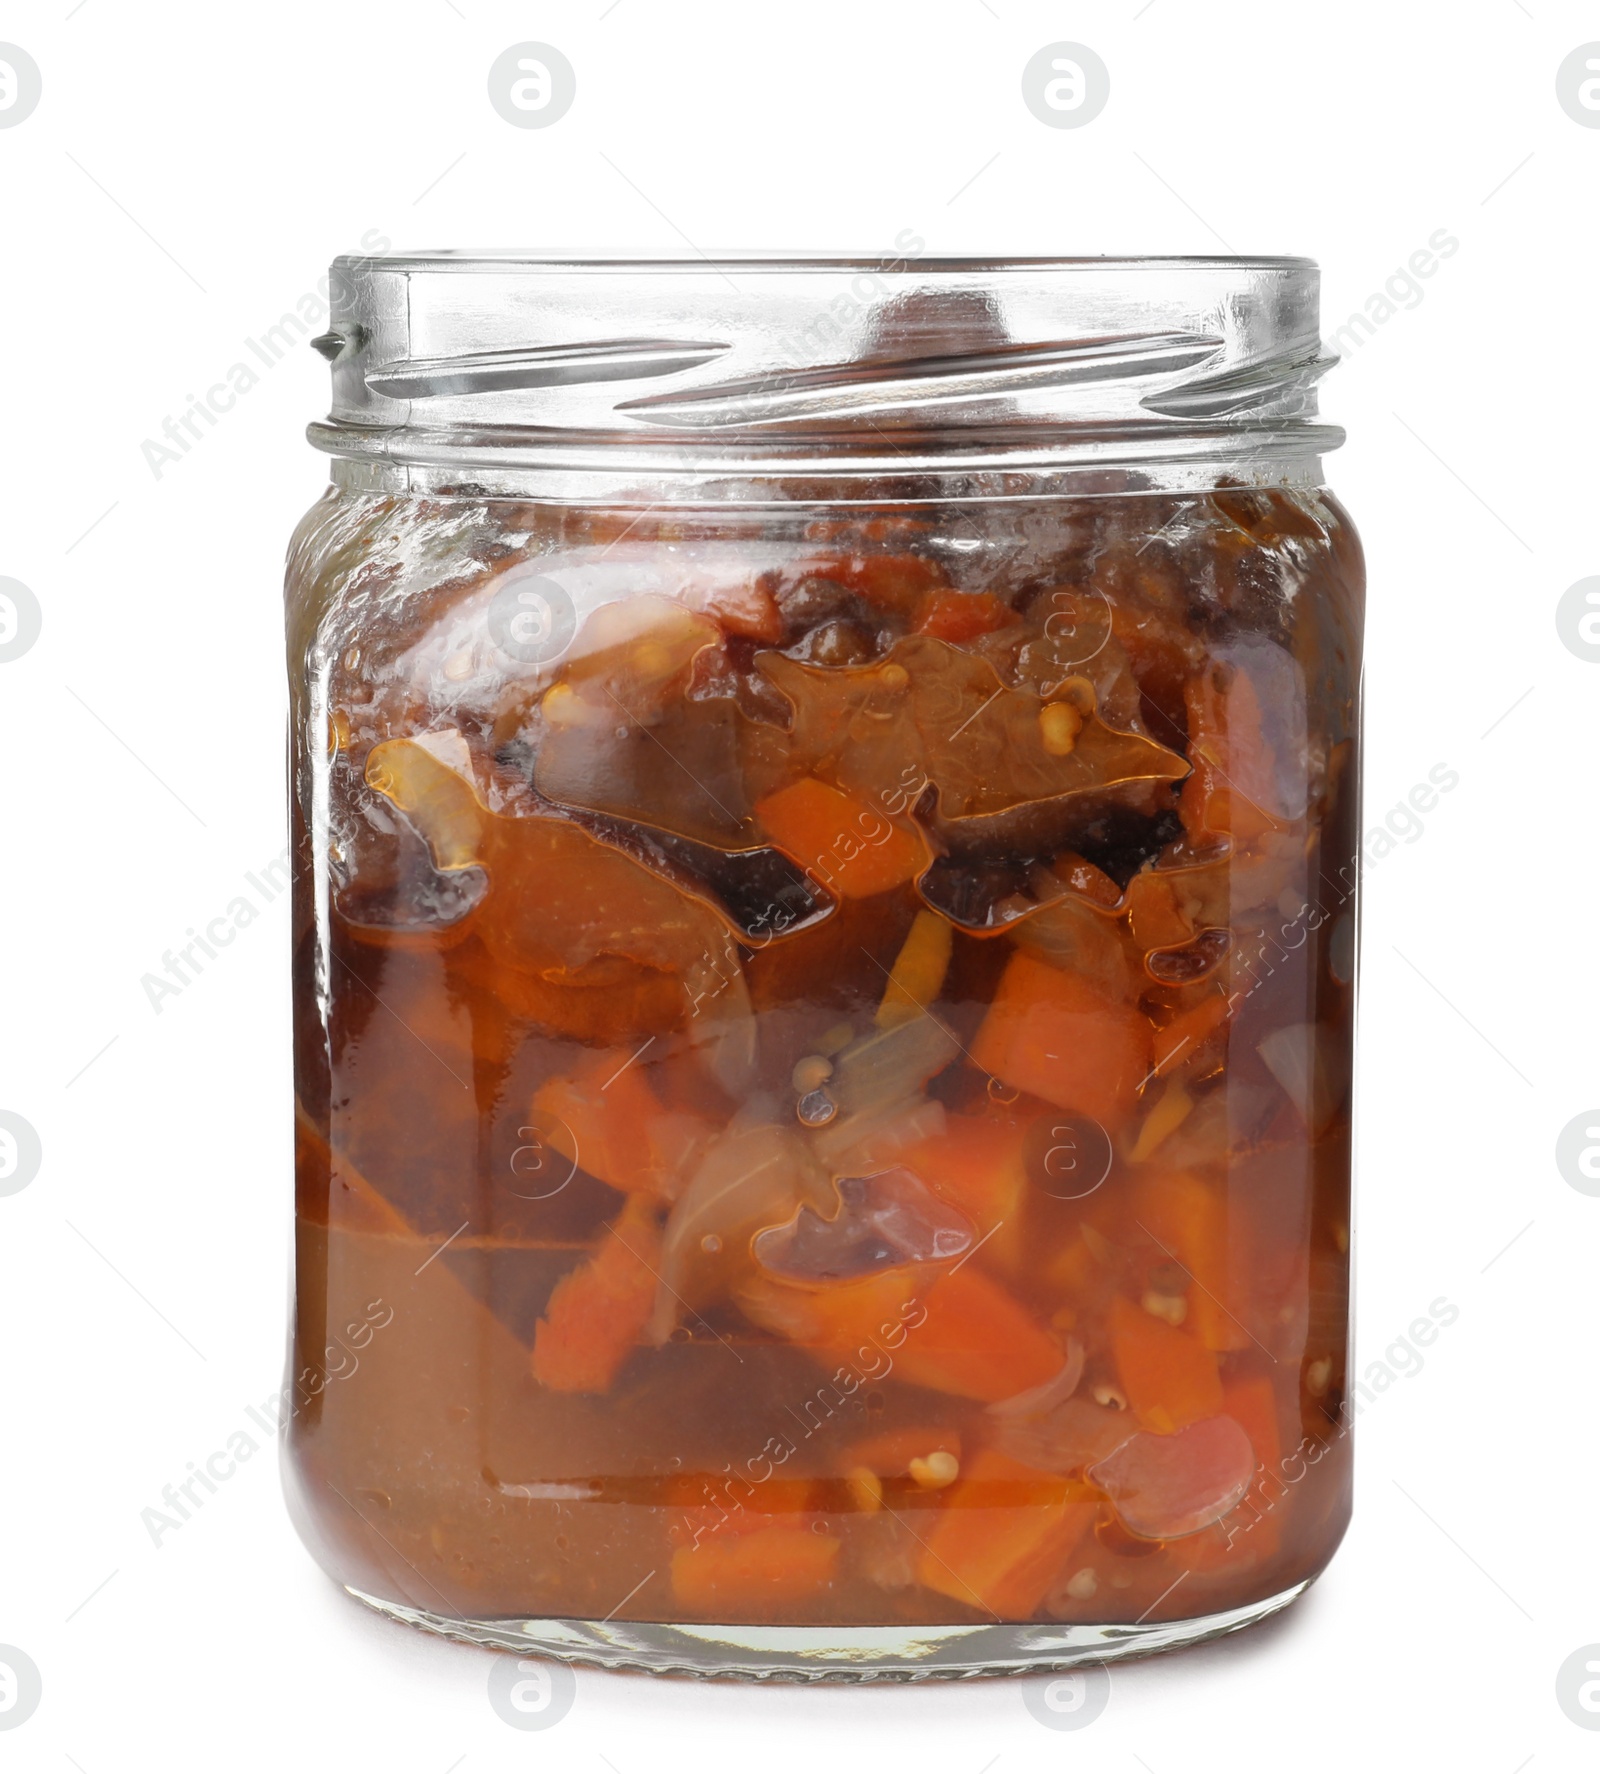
column 750, row 381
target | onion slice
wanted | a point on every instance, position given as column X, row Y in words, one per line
column 1166, row 1486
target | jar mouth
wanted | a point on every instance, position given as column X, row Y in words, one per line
column 766, row 366
column 750, row 259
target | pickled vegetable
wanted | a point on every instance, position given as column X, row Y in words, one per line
column 840, row 1068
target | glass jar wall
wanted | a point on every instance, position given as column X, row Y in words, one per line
column 824, row 961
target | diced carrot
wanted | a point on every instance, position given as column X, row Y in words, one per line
column 976, row 1164
column 1074, row 1269
column 958, row 616
column 1055, row 1036
column 976, row 1341
column 596, row 1315
column 705, row 1503
column 1003, row 1533
column 1188, row 1218
column 961, row 1334
column 1169, row 1376
column 860, row 1321
column 841, row 839
column 606, row 1107
column 754, row 1570
column 1253, row 1405
column 1189, row 1029
column 607, row 1119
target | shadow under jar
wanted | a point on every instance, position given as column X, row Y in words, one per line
column 825, row 825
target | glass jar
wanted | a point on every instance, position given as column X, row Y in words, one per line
column 825, row 815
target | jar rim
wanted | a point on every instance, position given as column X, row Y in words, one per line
column 498, row 259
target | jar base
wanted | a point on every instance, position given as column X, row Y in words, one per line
column 838, row 1654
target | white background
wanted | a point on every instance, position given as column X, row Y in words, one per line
column 187, row 177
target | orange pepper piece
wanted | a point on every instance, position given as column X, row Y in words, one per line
column 596, row 1314
column 1170, row 1377
column 841, row 839
column 1056, row 1036
column 1004, row 1531
column 754, row 1570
